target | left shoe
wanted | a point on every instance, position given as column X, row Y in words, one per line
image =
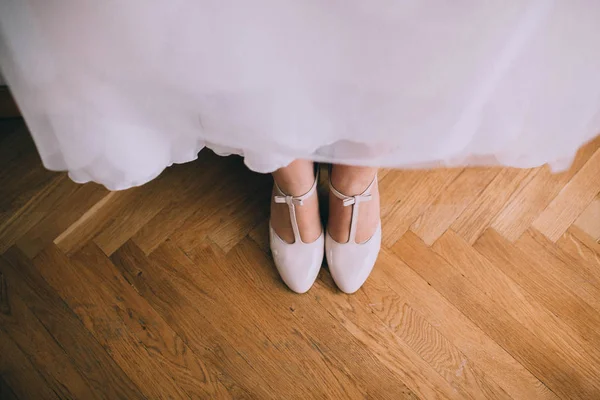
column 351, row 263
column 298, row 263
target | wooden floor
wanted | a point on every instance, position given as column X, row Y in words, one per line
column 488, row 286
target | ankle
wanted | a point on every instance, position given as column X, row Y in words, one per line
column 296, row 179
column 352, row 181
column 296, row 187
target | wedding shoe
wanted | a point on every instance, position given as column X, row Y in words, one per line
column 298, row 263
column 351, row 263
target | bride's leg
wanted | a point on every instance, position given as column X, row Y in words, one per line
column 353, row 181
column 296, row 179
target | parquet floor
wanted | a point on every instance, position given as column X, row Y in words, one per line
column 488, row 286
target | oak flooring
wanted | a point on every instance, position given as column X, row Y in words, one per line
column 487, row 287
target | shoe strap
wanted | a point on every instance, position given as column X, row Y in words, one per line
column 292, row 202
column 353, row 201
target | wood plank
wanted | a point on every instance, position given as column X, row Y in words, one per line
column 37, row 208
column 188, row 200
column 560, row 265
column 142, row 345
column 18, row 372
column 42, row 350
column 552, row 293
column 589, row 260
column 86, row 227
column 260, row 235
column 195, row 230
column 451, row 203
column 252, row 269
column 246, row 214
column 60, row 218
column 572, row 200
column 589, row 220
column 562, row 378
column 18, row 158
column 249, row 208
column 481, row 213
column 405, row 195
column 523, row 208
column 467, row 337
column 136, row 207
column 522, row 306
column 521, row 211
column 406, row 343
column 165, row 287
column 226, row 219
column 585, row 239
column 86, row 354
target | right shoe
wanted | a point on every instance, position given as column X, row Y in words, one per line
column 350, row 263
column 298, row 263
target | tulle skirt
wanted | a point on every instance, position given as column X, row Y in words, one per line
column 115, row 91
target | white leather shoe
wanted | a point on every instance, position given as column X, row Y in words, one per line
column 298, row 263
column 351, row 263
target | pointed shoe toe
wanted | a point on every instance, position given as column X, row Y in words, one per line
column 350, row 264
column 298, row 264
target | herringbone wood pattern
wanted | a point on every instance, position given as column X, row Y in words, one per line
column 488, row 286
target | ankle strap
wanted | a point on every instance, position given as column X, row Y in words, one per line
column 292, row 202
column 296, row 200
column 350, row 200
column 353, row 201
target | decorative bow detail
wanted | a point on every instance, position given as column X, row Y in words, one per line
column 348, row 201
column 290, row 200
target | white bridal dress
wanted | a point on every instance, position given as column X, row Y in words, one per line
column 114, row 91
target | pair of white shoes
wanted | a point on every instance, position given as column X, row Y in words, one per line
column 349, row 263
